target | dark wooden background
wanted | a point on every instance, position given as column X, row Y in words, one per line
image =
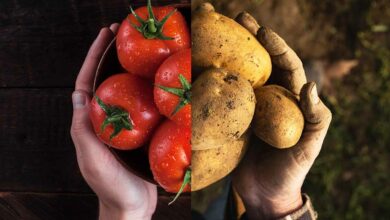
column 42, row 46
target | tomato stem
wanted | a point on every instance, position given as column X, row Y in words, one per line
column 183, row 93
column 151, row 28
column 116, row 116
column 151, row 25
column 186, row 180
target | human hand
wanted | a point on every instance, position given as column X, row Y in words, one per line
column 122, row 195
column 269, row 180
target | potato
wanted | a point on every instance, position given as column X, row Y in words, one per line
column 209, row 166
column 278, row 119
column 218, row 41
column 223, row 105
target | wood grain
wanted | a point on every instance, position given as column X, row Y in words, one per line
column 36, row 150
column 43, row 43
column 37, row 153
column 41, row 206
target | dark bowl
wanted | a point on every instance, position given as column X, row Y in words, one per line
column 136, row 161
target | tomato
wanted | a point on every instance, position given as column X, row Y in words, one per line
column 170, row 156
column 145, row 40
column 123, row 113
column 172, row 89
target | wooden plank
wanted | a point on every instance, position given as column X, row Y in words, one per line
column 43, row 43
column 35, row 120
column 31, row 206
column 36, row 150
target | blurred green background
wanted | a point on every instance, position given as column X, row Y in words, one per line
column 347, row 42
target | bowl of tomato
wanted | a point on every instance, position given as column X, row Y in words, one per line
column 110, row 114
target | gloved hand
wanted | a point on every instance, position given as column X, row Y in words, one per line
column 269, row 180
column 122, row 195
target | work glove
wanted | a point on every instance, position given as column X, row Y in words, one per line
column 269, row 180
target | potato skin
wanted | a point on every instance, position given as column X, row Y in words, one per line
column 220, row 42
column 223, row 106
column 209, row 166
column 278, row 119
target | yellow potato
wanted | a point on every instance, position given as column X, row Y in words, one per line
column 223, row 105
column 209, row 166
column 278, row 119
column 220, row 42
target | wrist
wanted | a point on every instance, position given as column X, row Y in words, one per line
column 267, row 208
column 108, row 212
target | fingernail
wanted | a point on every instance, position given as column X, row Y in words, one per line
column 78, row 99
column 314, row 94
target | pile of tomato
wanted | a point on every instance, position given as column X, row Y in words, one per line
column 150, row 104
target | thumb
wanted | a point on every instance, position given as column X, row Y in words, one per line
column 89, row 149
column 248, row 22
column 318, row 118
column 313, row 108
column 80, row 121
column 81, row 130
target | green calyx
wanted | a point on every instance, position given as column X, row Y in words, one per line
column 151, row 28
column 183, row 93
column 186, row 180
column 116, row 116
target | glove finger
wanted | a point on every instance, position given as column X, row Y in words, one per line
column 318, row 118
column 248, row 22
column 313, row 108
column 205, row 7
column 292, row 75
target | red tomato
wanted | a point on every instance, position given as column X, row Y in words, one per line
column 123, row 113
column 170, row 156
column 172, row 89
column 140, row 50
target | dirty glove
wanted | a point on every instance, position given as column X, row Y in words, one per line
column 269, row 180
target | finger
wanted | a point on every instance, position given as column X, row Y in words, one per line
column 94, row 158
column 114, row 28
column 318, row 118
column 313, row 108
column 205, row 7
column 85, row 78
column 248, row 22
column 283, row 57
column 82, row 132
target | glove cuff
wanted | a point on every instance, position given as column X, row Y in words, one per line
column 306, row 212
